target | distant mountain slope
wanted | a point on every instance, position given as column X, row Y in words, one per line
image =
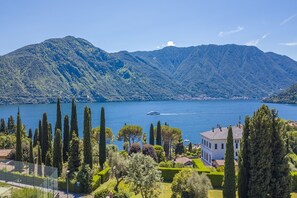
column 225, row 71
column 70, row 66
column 288, row 96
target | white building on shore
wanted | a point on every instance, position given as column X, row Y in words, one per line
column 213, row 143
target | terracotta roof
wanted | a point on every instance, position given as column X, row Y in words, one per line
column 218, row 134
column 5, row 152
column 182, row 160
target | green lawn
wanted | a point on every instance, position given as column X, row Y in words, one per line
column 165, row 190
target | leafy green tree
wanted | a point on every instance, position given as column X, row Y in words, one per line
column 160, row 153
column 31, row 158
column 119, row 167
column 73, row 121
column 35, row 137
column 45, row 137
column 130, row 133
column 148, row 149
column 159, row 135
column 280, row 174
column 102, row 142
column 66, row 139
column 229, row 190
column 143, row 175
column 10, row 125
column 85, row 177
column 170, row 136
column 135, row 148
column 108, row 134
column 30, row 135
column 152, row 137
column 39, row 158
column 260, row 157
column 19, row 149
column 3, row 128
column 243, row 161
column 74, row 157
column 59, row 116
column 88, row 156
column 57, row 159
column 48, row 163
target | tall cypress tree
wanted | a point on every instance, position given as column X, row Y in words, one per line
column 19, row 149
column 66, row 139
column 73, row 124
column 59, row 116
column 3, row 128
column 159, row 135
column 280, row 173
column 74, row 161
column 88, row 157
column 152, row 137
column 243, row 161
column 229, row 190
column 102, row 141
column 31, row 158
column 45, row 137
column 40, row 137
column 35, row 137
column 30, row 135
column 57, row 159
column 48, row 163
column 39, row 168
column 260, row 155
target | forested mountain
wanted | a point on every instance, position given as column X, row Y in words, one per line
column 287, row 96
column 70, row 66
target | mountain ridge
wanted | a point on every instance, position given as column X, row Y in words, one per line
column 69, row 66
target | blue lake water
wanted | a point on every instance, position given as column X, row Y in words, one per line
column 192, row 117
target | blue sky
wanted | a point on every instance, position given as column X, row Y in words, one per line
column 149, row 25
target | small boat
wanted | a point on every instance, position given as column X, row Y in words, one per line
column 153, row 113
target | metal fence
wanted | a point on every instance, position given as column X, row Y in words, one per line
column 27, row 175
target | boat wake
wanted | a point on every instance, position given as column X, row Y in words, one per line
column 176, row 114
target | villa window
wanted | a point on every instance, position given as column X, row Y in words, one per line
column 216, row 146
column 236, row 145
column 222, row 146
column 209, row 144
column 236, row 154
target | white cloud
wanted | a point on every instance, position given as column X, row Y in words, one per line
column 170, row 43
column 289, row 44
column 238, row 29
column 256, row 42
column 288, row 19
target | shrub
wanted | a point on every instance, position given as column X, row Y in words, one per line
column 29, row 192
column 197, row 163
column 72, row 187
column 169, row 173
column 179, row 165
column 96, row 182
column 102, row 193
column 85, row 177
column 149, row 150
column 294, row 181
column 216, row 179
column 104, row 174
column 135, row 148
column 160, row 153
column 168, row 164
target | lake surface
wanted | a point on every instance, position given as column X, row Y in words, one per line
column 192, row 117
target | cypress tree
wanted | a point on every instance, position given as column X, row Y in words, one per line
column 88, row 157
column 19, row 149
column 73, row 124
column 243, row 161
column 39, row 169
column 74, row 155
column 159, row 135
column 40, row 137
column 31, row 158
column 260, row 156
column 48, row 163
column 57, row 160
column 10, row 125
column 3, row 126
column 280, row 173
column 102, row 141
column 30, row 134
column 35, row 137
column 190, row 147
column 50, row 138
column 152, row 137
column 45, row 137
column 229, row 190
column 66, row 139
column 59, row 116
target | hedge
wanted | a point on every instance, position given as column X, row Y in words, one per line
column 72, row 186
column 216, row 179
column 169, row 173
column 104, row 174
column 294, row 181
column 197, row 163
column 96, row 182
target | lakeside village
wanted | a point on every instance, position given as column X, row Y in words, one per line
column 253, row 159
